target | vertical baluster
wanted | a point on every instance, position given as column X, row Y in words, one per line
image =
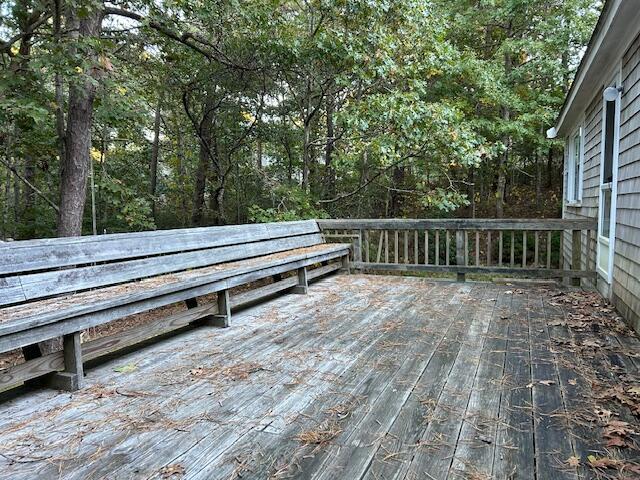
column 536, row 246
column 576, row 254
column 366, row 246
column 395, row 247
column 359, row 246
column 548, row 249
column 415, row 247
column 500, row 244
column 437, row 242
column 489, row 248
column 447, row 247
column 460, row 254
column 426, row 247
column 380, row 238
column 477, row 249
column 386, row 243
column 466, row 248
column 524, row 248
column 406, row 246
column 513, row 248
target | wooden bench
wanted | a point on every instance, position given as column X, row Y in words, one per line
column 53, row 288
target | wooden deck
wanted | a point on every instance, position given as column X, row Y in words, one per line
column 366, row 377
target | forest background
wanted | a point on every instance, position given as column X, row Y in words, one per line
column 126, row 116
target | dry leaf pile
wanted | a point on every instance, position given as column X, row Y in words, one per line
column 604, row 354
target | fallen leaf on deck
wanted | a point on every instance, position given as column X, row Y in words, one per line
column 128, row 368
column 547, row 382
column 603, row 414
column 172, row 470
column 617, row 442
column 573, row 381
column 604, row 462
column 573, row 461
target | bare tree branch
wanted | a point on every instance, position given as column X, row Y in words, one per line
column 12, row 169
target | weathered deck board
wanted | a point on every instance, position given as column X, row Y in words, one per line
column 514, row 440
column 477, row 441
column 397, row 378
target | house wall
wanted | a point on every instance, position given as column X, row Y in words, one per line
column 626, row 273
column 588, row 207
column 625, row 288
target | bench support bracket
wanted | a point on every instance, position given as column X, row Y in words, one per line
column 303, row 283
column 72, row 378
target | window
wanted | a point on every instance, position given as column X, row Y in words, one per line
column 606, row 181
column 574, row 168
column 610, row 112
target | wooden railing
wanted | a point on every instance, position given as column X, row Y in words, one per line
column 531, row 248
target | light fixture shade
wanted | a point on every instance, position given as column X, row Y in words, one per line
column 610, row 94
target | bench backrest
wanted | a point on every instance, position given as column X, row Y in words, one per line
column 33, row 269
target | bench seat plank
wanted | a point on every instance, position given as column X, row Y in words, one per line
column 152, row 292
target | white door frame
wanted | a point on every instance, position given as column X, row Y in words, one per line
column 601, row 240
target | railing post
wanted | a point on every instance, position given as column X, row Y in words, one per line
column 576, row 254
column 460, row 254
column 358, row 247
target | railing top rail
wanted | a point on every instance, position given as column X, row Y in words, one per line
column 537, row 224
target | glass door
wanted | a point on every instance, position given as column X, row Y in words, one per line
column 608, row 177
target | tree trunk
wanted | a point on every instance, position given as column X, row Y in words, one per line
column 205, row 136
column 550, row 168
column 472, row 192
column 306, row 156
column 197, row 215
column 504, row 159
column 181, row 174
column 75, row 166
column 396, row 196
column 155, row 151
column 538, row 180
column 259, row 153
column 306, row 144
column 329, row 174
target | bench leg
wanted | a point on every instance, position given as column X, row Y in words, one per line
column 72, row 378
column 345, row 264
column 303, row 283
column 223, row 317
column 191, row 303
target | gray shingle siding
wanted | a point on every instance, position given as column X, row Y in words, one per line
column 625, row 288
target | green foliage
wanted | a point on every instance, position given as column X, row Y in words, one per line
column 292, row 204
column 279, row 110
